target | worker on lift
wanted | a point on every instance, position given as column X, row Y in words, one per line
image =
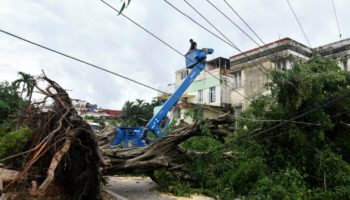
column 193, row 46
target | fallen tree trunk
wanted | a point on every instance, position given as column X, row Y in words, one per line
column 163, row 153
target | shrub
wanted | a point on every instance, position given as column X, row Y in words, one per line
column 14, row 142
column 114, row 123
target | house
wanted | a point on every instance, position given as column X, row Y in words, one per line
column 207, row 92
column 249, row 68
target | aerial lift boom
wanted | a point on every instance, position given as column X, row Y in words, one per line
column 137, row 137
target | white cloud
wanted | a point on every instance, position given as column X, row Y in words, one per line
column 93, row 32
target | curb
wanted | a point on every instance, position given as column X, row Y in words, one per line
column 113, row 194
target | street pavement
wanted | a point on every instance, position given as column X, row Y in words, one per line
column 136, row 188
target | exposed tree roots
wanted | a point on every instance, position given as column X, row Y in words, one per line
column 63, row 151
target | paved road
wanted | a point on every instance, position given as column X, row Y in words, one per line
column 136, row 188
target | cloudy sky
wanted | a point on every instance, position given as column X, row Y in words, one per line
column 90, row 30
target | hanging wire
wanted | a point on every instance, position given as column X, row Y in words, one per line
column 336, row 18
column 170, row 46
column 296, row 17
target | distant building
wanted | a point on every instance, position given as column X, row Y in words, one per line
column 206, row 92
column 246, row 68
column 85, row 108
column 102, row 114
column 80, row 105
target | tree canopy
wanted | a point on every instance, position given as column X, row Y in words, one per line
column 137, row 113
column 307, row 159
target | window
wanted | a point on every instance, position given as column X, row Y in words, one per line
column 281, row 64
column 200, row 95
column 212, row 94
column 183, row 74
column 345, row 65
column 237, row 82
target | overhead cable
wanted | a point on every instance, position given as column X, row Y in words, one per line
column 307, row 125
column 250, row 28
column 223, row 35
column 296, row 17
column 313, row 110
column 336, row 18
column 255, row 120
column 258, row 65
column 79, row 60
column 233, row 46
column 245, row 33
column 167, row 44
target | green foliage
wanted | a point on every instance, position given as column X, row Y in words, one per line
column 177, row 187
column 9, row 100
column 25, row 83
column 124, row 5
column 90, row 117
column 112, row 122
column 137, row 113
column 201, row 143
column 14, row 142
column 172, row 126
column 287, row 184
column 295, row 161
column 195, row 113
column 11, row 95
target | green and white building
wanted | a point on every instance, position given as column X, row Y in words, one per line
column 208, row 92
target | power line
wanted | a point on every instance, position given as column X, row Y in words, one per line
column 203, row 27
column 79, row 60
column 242, row 139
column 256, row 120
column 250, row 28
column 260, row 67
column 244, row 32
column 336, row 18
column 167, row 44
column 296, row 17
column 225, row 38
column 149, row 32
column 307, row 125
column 233, row 46
column 233, row 23
column 276, row 120
column 210, row 23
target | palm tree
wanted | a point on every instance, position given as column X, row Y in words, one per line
column 127, row 113
column 26, row 82
column 138, row 113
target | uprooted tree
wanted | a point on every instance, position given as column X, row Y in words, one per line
column 63, row 154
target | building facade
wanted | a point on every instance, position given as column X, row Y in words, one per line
column 207, row 92
column 249, row 69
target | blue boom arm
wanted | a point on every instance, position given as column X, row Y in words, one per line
column 134, row 137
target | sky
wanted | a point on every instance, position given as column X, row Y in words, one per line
column 91, row 31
